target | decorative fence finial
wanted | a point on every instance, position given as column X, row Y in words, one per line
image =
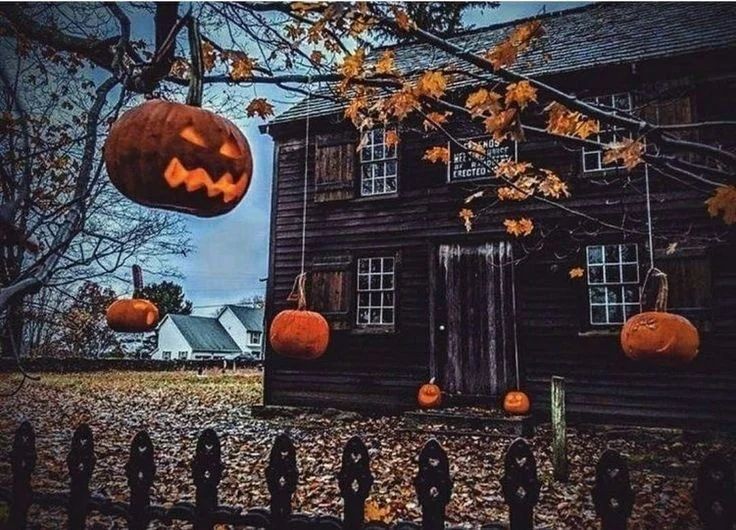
column 81, row 463
column 612, row 495
column 207, row 473
column 715, row 496
column 520, row 485
column 22, row 465
column 433, row 485
column 282, row 476
column 140, row 471
column 355, row 480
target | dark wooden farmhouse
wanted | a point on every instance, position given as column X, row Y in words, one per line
column 410, row 294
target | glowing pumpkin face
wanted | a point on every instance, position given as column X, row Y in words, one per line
column 516, row 402
column 430, row 395
column 177, row 157
column 132, row 316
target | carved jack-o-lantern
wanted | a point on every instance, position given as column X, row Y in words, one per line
column 132, row 316
column 178, row 157
column 516, row 402
column 429, row 395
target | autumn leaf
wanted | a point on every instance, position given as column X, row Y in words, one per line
column 499, row 124
column 502, row 55
column 259, row 107
column 629, row 152
column 316, row 57
column 355, row 108
column 519, row 227
column 402, row 19
column 565, row 122
column 512, row 169
column 467, row 215
column 180, row 68
column 437, row 154
column 432, row 83
column 576, row 272
column 353, row 64
column 376, row 512
column 521, row 93
column 241, row 66
column 392, row 138
column 385, row 63
column 723, row 202
column 552, row 185
column 507, row 193
column 483, row 101
column 401, row 103
column 435, row 118
column 209, row 56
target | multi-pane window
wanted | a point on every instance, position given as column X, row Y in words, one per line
column 613, row 283
column 376, row 301
column 378, row 164
column 166, row 355
column 593, row 157
column 254, row 338
column 182, row 355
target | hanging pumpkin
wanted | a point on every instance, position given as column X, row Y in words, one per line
column 658, row 336
column 516, row 402
column 178, row 157
column 430, row 395
column 132, row 316
column 299, row 333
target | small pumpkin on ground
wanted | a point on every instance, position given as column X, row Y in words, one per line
column 179, row 157
column 516, row 402
column 658, row 336
column 299, row 333
column 430, row 395
column 132, row 316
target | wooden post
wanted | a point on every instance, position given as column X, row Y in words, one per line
column 81, row 463
column 282, row 476
column 715, row 494
column 520, row 485
column 559, row 426
column 433, row 485
column 354, row 480
column 612, row 495
column 140, row 471
column 207, row 473
column 22, row 464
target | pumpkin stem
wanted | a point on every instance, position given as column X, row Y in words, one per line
column 431, row 381
column 661, row 303
column 298, row 292
column 196, row 75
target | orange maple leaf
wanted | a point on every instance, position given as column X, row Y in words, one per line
column 519, row 227
column 521, row 93
column 435, row 118
column 392, row 138
column 402, row 19
column 241, row 66
column 483, row 101
column 467, row 215
column 209, row 56
column 437, row 154
column 502, row 124
column 629, row 152
column 723, row 202
column 432, row 83
column 401, row 103
column 576, row 272
column 386, row 63
column 352, row 65
column 259, row 107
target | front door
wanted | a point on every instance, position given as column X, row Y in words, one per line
column 473, row 342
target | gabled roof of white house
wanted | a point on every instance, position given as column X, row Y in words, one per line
column 601, row 34
column 251, row 317
column 204, row 333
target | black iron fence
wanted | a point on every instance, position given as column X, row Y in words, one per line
column 714, row 497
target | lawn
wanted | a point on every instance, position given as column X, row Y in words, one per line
column 174, row 407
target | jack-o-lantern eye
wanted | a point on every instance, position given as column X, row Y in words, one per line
column 191, row 135
column 230, row 149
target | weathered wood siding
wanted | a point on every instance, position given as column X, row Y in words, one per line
column 373, row 370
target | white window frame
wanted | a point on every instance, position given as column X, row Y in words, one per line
column 250, row 335
column 374, row 288
column 609, row 135
column 183, row 355
column 165, row 355
column 628, row 299
column 379, row 164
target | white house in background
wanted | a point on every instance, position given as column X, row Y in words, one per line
column 235, row 331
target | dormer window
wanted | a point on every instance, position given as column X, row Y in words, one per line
column 378, row 164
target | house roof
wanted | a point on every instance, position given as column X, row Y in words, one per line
column 204, row 333
column 251, row 317
column 601, row 34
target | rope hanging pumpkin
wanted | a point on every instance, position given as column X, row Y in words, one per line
column 299, row 333
column 658, row 336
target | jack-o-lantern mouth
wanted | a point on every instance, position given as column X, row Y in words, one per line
column 193, row 179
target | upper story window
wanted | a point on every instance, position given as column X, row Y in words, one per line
column 592, row 157
column 378, row 164
column 613, row 283
column 254, row 338
column 376, row 301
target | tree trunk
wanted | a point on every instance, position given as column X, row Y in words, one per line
column 12, row 329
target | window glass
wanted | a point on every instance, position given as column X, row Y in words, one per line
column 613, row 283
column 375, row 291
column 593, row 157
column 379, row 169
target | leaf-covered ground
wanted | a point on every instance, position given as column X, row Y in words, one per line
column 175, row 407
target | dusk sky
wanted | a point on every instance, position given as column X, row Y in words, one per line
column 231, row 251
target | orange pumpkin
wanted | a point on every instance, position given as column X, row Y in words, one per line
column 430, row 395
column 178, row 157
column 300, row 334
column 516, row 402
column 132, row 316
column 660, row 337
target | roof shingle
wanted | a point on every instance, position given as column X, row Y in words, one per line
column 204, row 334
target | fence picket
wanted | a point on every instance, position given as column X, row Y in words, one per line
column 80, row 462
column 354, row 480
column 715, row 496
column 207, row 473
column 520, row 485
column 433, row 485
column 140, row 470
column 612, row 495
column 22, row 465
column 282, row 476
